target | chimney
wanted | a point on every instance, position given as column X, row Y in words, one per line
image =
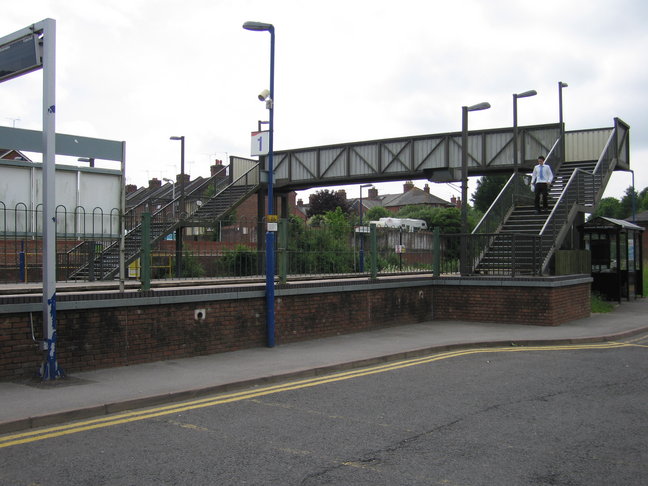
column 408, row 186
column 427, row 188
column 342, row 193
column 300, row 203
column 187, row 178
column 372, row 193
column 155, row 183
column 130, row 188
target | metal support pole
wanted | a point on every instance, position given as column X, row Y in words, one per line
column 463, row 248
column 122, row 224
column 145, row 258
column 374, row 251
column 50, row 369
column 436, row 248
column 270, row 235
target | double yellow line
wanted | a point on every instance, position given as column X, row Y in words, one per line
column 123, row 418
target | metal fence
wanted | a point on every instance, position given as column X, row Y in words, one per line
column 233, row 249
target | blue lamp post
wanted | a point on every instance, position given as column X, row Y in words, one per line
column 464, row 267
column 526, row 94
column 268, row 97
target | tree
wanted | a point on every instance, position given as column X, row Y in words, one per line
column 375, row 213
column 488, row 187
column 447, row 219
column 326, row 200
column 642, row 202
column 609, row 207
column 627, row 200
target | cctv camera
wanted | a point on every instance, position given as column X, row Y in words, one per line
column 263, row 95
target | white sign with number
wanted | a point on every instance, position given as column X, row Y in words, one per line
column 260, row 143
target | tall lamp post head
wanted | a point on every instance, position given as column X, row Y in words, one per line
column 526, row 94
column 258, row 26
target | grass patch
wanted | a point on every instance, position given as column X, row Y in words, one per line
column 599, row 306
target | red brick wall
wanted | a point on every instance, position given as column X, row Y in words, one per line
column 540, row 306
column 108, row 337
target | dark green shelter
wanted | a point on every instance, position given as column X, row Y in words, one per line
column 615, row 246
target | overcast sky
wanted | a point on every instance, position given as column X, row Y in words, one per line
column 346, row 70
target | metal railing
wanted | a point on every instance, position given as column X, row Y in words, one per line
column 582, row 193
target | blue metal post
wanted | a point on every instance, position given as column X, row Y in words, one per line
column 270, row 235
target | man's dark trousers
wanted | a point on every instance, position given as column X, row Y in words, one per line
column 541, row 189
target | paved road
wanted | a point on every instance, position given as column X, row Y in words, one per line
column 502, row 416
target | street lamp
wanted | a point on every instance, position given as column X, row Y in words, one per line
column 362, row 230
column 268, row 97
column 526, row 94
column 561, row 85
column 464, row 182
column 182, row 206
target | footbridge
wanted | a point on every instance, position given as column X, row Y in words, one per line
column 434, row 157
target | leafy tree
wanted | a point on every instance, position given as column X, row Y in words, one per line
column 488, row 187
column 375, row 213
column 609, row 207
column 321, row 248
column 627, row 201
column 642, row 202
column 447, row 219
column 326, row 200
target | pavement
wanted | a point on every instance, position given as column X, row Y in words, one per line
column 88, row 394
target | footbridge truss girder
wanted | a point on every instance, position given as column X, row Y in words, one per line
column 409, row 158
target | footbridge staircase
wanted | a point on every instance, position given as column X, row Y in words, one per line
column 227, row 192
column 512, row 239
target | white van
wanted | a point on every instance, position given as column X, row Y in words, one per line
column 405, row 224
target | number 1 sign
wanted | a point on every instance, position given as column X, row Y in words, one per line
column 260, row 143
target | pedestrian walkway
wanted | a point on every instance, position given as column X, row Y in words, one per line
column 94, row 393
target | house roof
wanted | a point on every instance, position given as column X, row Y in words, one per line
column 642, row 217
column 413, row 197
column 11, row 154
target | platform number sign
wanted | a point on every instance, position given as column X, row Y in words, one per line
column 260, row 143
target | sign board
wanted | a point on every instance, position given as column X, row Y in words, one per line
column 362, row 229
column 399, row 248
column 260, row 143
column 20, row 57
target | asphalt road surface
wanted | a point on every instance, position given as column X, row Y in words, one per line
column 503, row 416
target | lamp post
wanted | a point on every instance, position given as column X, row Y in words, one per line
column 182, row 206
column 465, row 269
column 362, row 230
column 561, row 85
column 268, row 97
column 526, row 94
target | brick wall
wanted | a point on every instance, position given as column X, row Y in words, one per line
column 109, row 336
column 540, row 306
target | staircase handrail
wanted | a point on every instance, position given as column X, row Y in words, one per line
column 500, row 209
column 131, row 214
column 583, row 190
column 516, row 190
column 162, row 225
column 249, row 177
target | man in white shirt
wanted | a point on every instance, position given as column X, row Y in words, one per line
column 541, row 179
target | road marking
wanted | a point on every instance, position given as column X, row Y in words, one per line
column 128, row 417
